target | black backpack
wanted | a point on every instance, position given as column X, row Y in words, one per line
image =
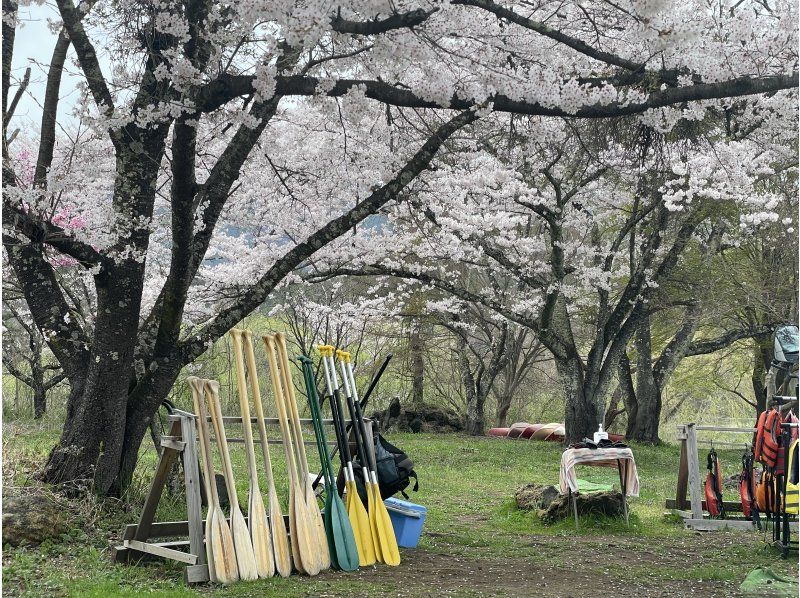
column 394, row 468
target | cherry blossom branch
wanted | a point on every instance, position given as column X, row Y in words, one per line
column 47, row 137
column 87, row 57
column 26, row 79
column 576, row 44
column 227, row 87
column 375, row 26
column 44, row 297
column 50, row 234
column 712, row 345
column 258, row 293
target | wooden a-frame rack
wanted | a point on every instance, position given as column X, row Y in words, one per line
column 179, row 541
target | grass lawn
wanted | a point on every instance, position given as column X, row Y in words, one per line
column 476, row 542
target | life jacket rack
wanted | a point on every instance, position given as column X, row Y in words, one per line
column 690, row 481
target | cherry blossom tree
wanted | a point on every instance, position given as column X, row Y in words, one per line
column 588, row 238
column 301, row 120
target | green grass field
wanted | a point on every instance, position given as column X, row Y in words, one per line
column 476, row 541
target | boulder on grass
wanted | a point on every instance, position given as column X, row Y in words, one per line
column 550, row 506
column 418, row 418
column 33, row 517
column 532, row 497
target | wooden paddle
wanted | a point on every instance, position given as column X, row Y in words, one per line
column 383, row 524
column 359, row 519
column 280, row 540
column 303, row 536
column 220, row 553
column 256, row 514
column 245, row 557
column 341, row 541
column 310, row 497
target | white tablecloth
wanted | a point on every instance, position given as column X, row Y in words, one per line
column 599, row 457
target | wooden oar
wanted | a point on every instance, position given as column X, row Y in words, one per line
column 256, row 514
column 359, row 519
column 245, row 557
column 280, row 540
column 386, row 537
column 344, row 551
column 310, row 497
column 220, row 553
column 303, row 536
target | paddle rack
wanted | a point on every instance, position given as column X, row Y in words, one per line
column 179, row 541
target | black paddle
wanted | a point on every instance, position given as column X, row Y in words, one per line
column 363, row 403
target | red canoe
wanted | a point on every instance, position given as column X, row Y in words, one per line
column 499, row 432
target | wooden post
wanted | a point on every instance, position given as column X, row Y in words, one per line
column 683, row 472
column 191, row 473
column 693, row 464
column 156, row 488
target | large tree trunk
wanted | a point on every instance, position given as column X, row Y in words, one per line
column 583, row 410
column 648, row 394
column 39, row 402
column 93, row 440
column 416, row 348
column 504, row 401
column 474, row 418
column 762, row 357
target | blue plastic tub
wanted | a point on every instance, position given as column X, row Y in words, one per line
column 407, row 520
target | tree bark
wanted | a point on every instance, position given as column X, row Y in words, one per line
column 584, row 411
column 93, row 439
column 504, row 401
column 474, row 420
column 416, row 348
column 648, row 394
column 762, row 356
column 39, row 401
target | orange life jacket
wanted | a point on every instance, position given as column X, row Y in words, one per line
column 768, row 433
column 747, row 487
column 713, row 489
column 767, row 496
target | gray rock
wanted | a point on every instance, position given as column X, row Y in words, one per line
column 33, row 517
column 551, row 506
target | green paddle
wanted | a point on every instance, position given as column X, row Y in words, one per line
column 341, row 540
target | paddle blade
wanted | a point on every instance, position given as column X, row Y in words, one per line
column 245, row 557
column 359, row 521
column 280, row 540
column 318, row 528
column 294, row 533
column 328, row 521
column 389, row 549
column 209, row 536
column 260, row 535
column 373, row 523
column 223, row 554
column 346, row 550
column 307, row 545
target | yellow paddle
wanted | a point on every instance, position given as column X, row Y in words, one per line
column 245, row 557
column 256, row 514
column 388, row 542
column 359, row 519
column 220, row 553
column 280, row 540
column 303, row 535
column 310, row 497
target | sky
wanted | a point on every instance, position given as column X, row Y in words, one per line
column 33, row 47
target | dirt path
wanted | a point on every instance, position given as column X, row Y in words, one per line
column 566, row 567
